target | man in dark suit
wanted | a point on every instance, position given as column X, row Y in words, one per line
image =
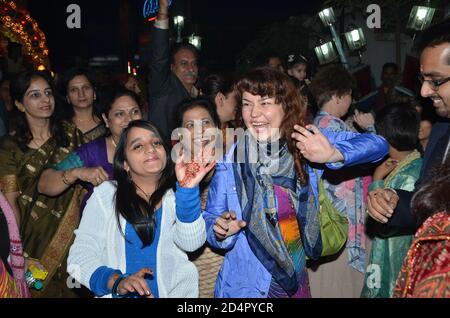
column 393, row 207
column 173, row 74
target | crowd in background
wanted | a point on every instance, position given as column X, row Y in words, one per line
column 118, row 187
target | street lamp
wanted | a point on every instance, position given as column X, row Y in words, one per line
column 179, row 24
column 355, row 40
column 420, row 17
column 328, row 19
column 327, row 16
column 196, row 41
column 325, row 52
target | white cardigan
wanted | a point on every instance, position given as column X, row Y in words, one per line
column 99, row 242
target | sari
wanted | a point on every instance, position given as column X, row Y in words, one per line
column 47, row 223
column 426, row 269
column 92, row 154
column 390, row 246
column 12, row 271
column 96, row 132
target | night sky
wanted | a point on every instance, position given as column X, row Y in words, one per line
column 225, row 25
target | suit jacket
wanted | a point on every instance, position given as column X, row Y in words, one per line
column 165, row 89
column 434, row 153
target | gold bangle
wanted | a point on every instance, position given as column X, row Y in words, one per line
column 64, row 179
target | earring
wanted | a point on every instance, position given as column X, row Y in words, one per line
column 20, row 107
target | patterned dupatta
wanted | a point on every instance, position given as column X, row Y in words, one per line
column 261, row 169
column 16, row 287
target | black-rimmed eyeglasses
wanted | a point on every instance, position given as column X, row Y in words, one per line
column 434, row 84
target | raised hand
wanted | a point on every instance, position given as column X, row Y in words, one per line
column 163, row 12
column 314, row 146
column 136, row 283
column 227, row 225
column 163, row 4
column 190, row 174
column 364, row 120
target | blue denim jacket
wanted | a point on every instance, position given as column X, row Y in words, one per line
column 242, row 275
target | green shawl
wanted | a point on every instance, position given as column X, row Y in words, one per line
column 389, row 248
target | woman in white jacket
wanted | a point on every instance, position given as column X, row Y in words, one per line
column 135, row 231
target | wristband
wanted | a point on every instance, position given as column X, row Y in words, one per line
column 116, row 284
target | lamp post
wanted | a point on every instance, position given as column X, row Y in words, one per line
column 179, row 24
column 328, row 19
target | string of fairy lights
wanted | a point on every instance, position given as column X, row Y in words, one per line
column 17, row 25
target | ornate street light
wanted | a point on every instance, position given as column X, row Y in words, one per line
column 196, row 41
column 328, row 19
column 327, row 16
column 325, row 52
column 355, row 39
column 420, row 17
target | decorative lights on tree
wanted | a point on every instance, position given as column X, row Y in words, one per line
column 17, row 25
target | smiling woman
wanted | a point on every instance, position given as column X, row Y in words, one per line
column 141, row 215
column 91, row 164
column 254, row 203
column 46, row 223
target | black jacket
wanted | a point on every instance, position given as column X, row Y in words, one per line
column 165, row 89
column 439, row 138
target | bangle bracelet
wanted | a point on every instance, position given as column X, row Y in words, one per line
column 116, row 285
column 64, row 179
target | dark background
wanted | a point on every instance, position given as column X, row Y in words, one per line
column 117, row 27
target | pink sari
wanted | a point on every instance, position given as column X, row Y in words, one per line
column 13, row 286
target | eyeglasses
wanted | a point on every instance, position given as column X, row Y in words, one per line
column 434, row 84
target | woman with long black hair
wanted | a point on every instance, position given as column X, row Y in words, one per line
column 135, row 232
column 42, row 139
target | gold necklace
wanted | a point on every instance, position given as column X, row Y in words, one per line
column 83, row 120
column 113, row 142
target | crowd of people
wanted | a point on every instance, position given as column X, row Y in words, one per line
column 215, row 186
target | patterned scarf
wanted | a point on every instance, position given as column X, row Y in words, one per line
column 263, row 166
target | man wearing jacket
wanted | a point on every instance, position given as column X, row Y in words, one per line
column 172, row 74
column 393, row 207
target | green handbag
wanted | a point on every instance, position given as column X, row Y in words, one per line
column 333, row 225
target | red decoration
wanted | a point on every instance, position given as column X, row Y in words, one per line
column 192, row 168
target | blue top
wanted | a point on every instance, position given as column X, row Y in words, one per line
column 242, row 275
column 187, row 210
column 139, row 257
